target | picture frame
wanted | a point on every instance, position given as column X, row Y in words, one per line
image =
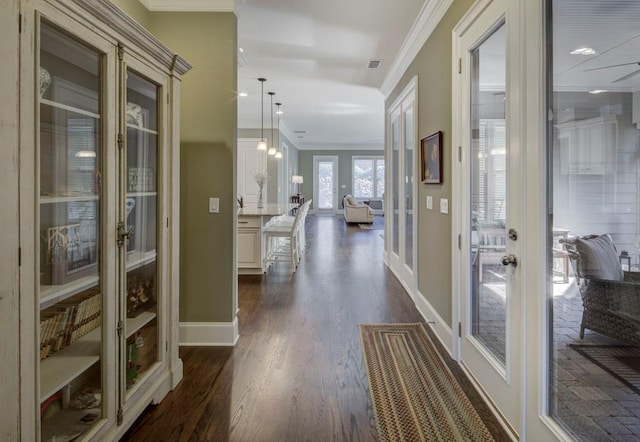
column 431, row 159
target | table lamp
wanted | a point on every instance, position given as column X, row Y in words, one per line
column 297, row 179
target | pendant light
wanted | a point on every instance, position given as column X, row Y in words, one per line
column 272, row 150
column 278, row 153
column 261, row 144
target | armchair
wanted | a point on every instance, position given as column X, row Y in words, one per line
column 610, row 296
column 356, row 212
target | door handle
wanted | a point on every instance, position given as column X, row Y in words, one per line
column 509, row 260
column 123, row 233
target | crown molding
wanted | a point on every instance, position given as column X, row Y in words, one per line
column 189, row 5
column 430, row 15
column 342, row 146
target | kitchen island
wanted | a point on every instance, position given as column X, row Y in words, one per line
column 251, row 224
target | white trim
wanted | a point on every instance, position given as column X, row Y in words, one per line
column 502, row 420
column 208, row 333
column 190, row 5
column 435, row 321
column 429, row 17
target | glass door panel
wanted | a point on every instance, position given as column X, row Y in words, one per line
column 141, row 223
column 395, row 168
column 325, row 184
column 70, row 207
column 593, row 236
column 488, row 194
column 408, row 187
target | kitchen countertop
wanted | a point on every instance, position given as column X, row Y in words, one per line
column 267, row 210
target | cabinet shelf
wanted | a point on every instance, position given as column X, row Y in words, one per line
column 142, row 129
column 69, row 108
column 138, row 194
column 51, row 294
column 135, row 324
column 137, row 259
column 52, row 199
column 63, row 366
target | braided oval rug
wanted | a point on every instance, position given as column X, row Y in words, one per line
column 414, row 394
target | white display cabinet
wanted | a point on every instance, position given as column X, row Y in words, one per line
column 99, row 159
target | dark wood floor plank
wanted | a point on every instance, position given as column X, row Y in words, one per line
column 297, row 372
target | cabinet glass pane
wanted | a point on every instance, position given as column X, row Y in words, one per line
column 141, row 169
column 395, row 166
column 70, row 203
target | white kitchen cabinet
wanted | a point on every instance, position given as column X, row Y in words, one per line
column 99, row 277
column 588, row 147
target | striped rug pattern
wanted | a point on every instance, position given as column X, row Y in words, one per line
column 415, row 396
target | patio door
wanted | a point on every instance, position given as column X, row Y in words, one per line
column 325, row 184
column 487, row 263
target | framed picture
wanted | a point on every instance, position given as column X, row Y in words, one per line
column 431, row 158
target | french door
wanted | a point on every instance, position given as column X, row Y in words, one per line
column 401, row 219
column 325, row 184
column 486, row 265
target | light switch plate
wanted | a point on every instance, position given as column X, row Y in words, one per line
column 214, row 205
column 429, row 202
column 444, row 205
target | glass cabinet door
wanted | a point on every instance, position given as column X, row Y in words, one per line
column 69, row 236
column 140, row 162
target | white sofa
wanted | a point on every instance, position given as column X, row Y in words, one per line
column 355, row 211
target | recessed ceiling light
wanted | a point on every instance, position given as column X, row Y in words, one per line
column 241, row 50
column 583, row 51
column 299, row 131
column 243, row 94
column 598, row 91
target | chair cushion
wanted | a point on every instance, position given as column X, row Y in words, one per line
column 599, row 259
column 352, row 201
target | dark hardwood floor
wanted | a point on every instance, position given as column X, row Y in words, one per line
column 297, row 372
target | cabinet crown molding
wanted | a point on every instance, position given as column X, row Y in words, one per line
column 190, row 5
column 124, row 25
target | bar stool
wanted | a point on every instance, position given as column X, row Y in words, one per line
column 282, row 242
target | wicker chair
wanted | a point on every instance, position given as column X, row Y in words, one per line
column 610, row 296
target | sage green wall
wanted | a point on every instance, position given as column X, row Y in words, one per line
column 135, row 10
column 208, row 160
column 432, row 65
column 345, row 175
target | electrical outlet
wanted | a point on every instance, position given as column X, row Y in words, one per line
column 444, row 205
column 429, row 202
column 214, row 205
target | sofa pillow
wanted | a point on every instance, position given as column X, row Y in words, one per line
column 352, row 201
column 599, row 259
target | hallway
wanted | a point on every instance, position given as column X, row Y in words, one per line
column 296, row 372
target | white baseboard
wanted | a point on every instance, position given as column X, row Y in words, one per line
column 212, row 334
column 438, row 325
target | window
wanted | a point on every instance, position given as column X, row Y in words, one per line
column 368, row 177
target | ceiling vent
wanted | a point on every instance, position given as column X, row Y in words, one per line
column 374, row 64
column 299, row 131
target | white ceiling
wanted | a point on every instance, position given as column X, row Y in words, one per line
column 611, row 29
column 314, row 56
